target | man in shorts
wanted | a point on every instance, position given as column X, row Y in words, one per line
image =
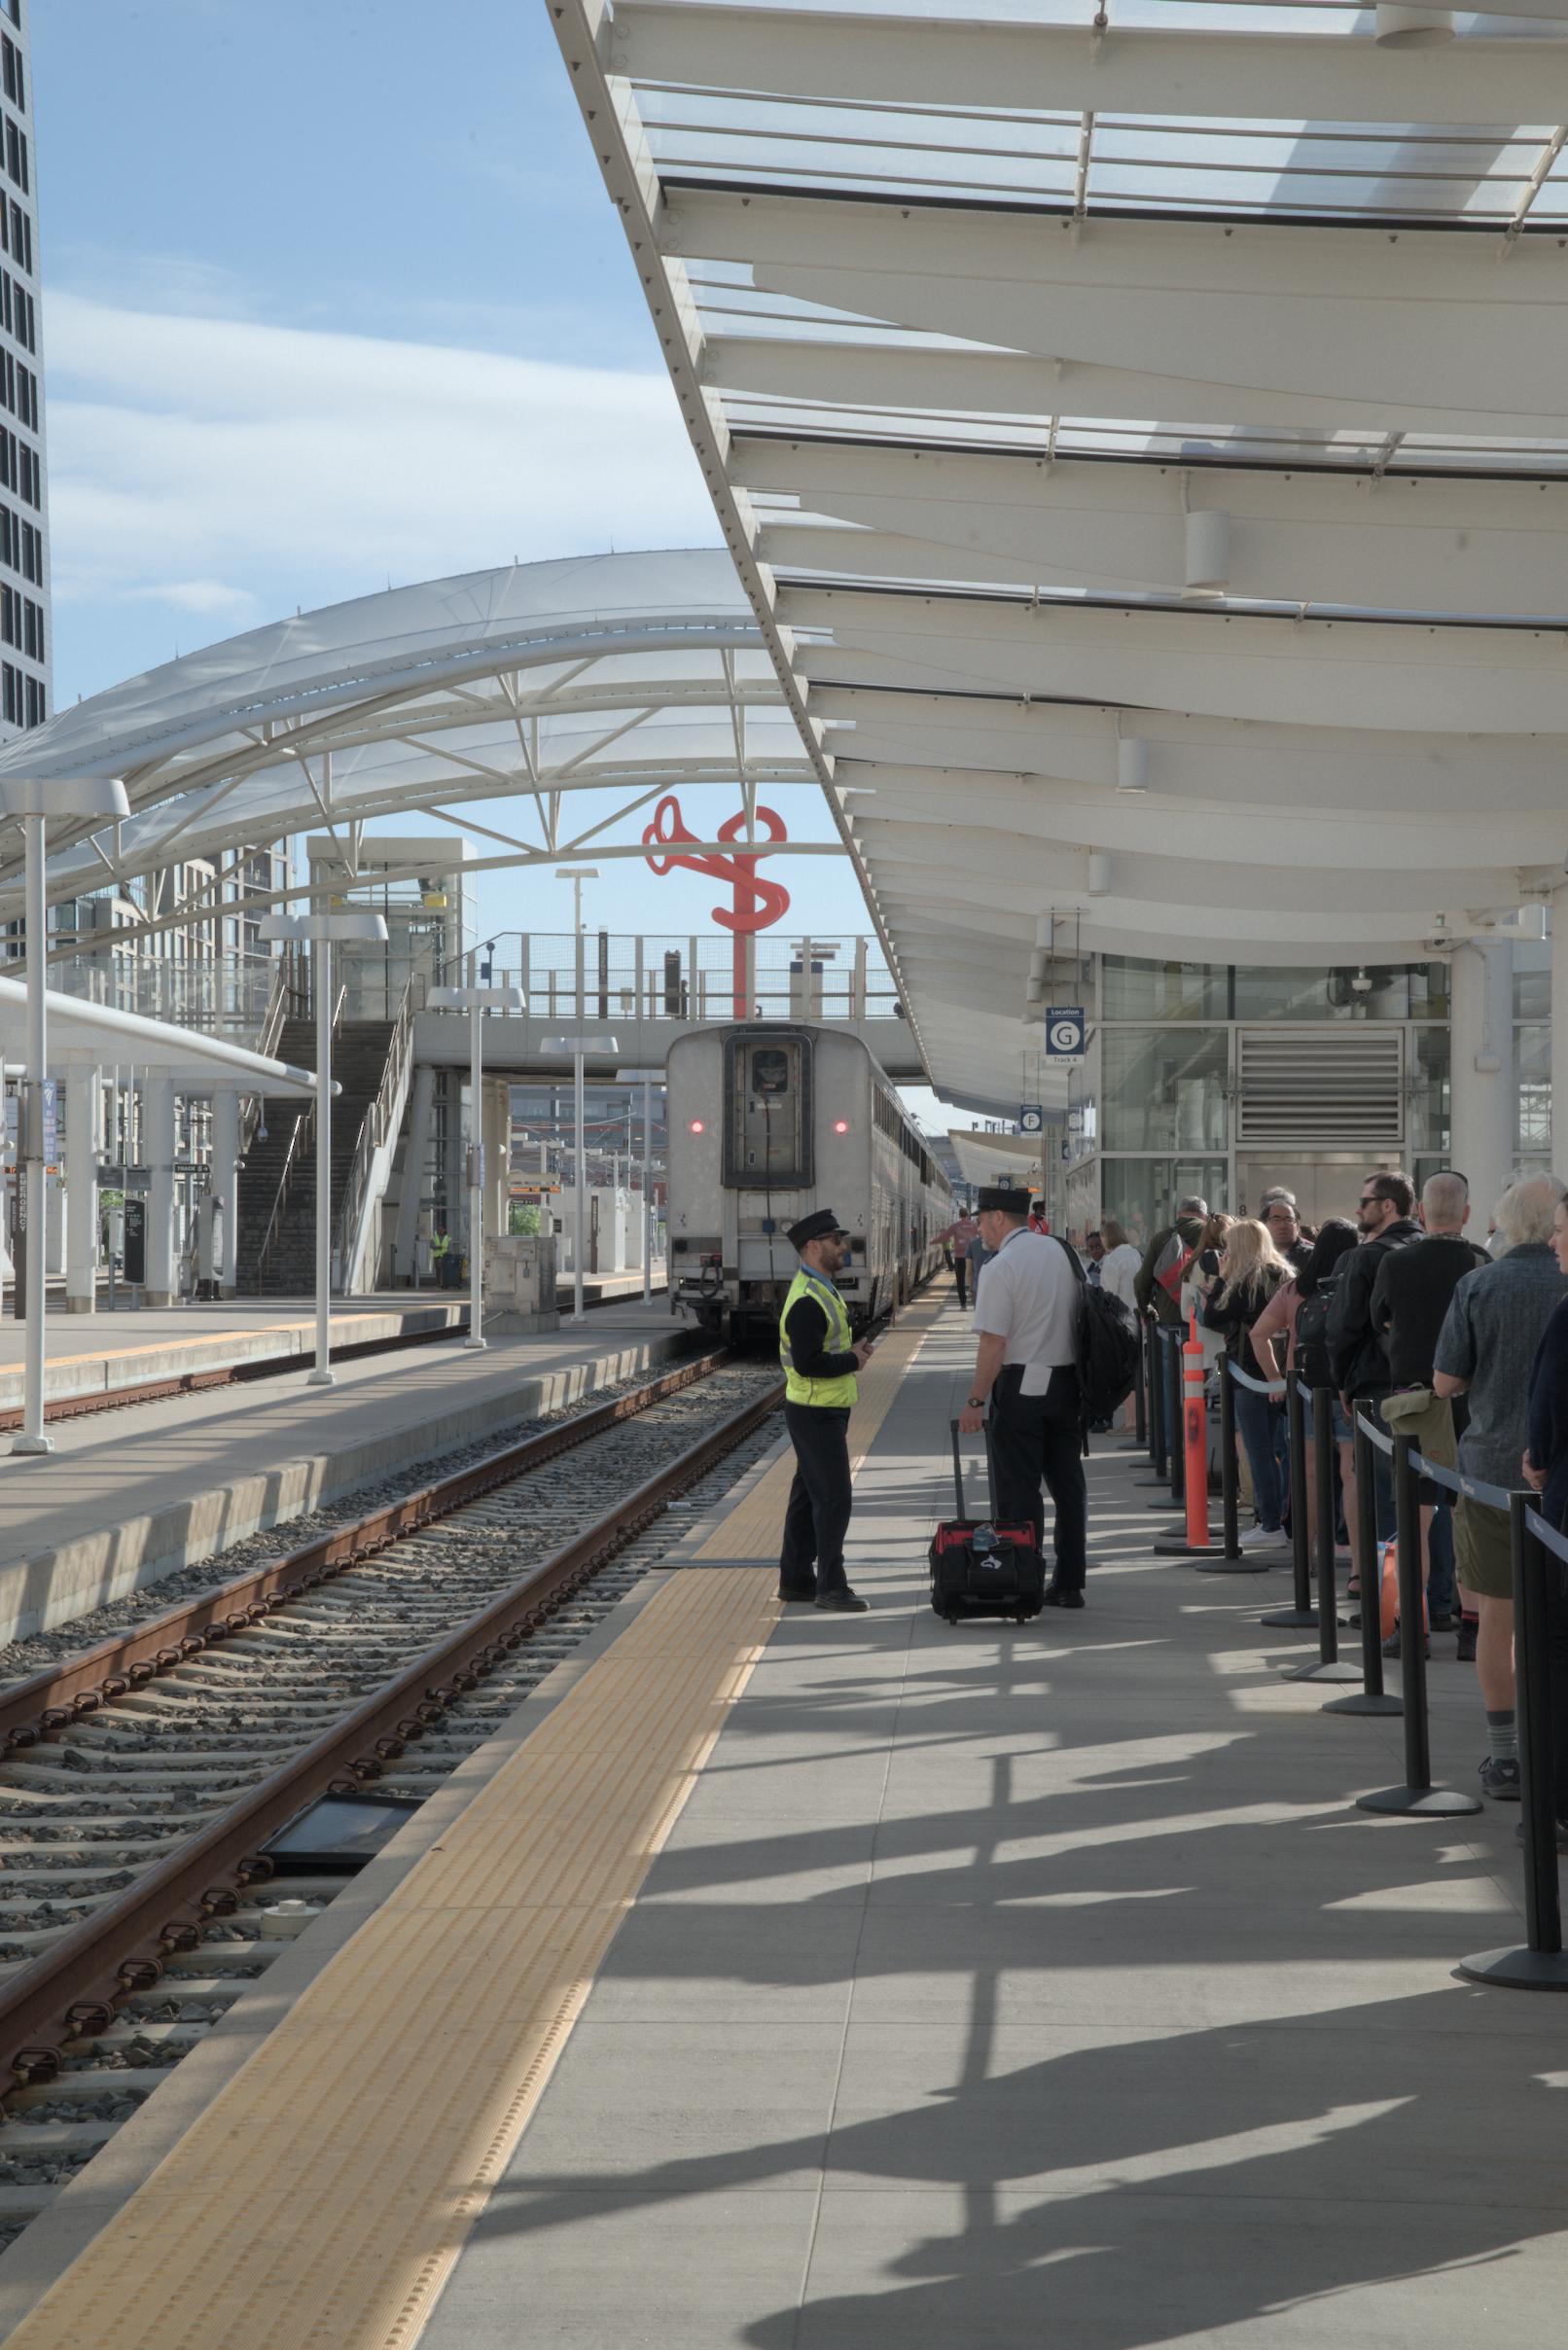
column 1485, row 1351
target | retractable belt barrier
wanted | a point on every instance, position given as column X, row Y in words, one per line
column 1371, row 1697
column 1538, row 1552
column 1326, row 1664
column 1417, row 1798
column 1155, row 1385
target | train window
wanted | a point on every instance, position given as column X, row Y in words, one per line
column 770, row 1070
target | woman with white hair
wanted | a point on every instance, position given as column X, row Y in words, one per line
column 1250, row 1271
column 1485, row 1351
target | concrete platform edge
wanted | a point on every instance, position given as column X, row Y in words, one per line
column 30, row 2265
column 55, row 1586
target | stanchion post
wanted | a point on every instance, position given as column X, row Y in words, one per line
column 1327, row 1665
column 1417, row 1798
column 1371, row 1697
column 1140, row 1388
column 1233, row 1559
column 1230, row 1473
column 1301, row 1616
column 1540, row 1964
column 1157, row 1403
column 1171, row 1334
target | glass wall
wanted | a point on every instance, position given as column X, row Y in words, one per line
column 1142, row 1192
column 1163, row 1088
column 1135, row 990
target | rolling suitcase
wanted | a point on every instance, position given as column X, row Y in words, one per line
column 979, row 1568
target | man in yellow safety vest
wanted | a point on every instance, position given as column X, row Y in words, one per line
column 820, row 1356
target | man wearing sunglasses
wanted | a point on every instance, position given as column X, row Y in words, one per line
column 1357, row 1358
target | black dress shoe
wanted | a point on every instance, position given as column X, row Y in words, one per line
column 1057, row 1595
column 798, row 1599
column 843, row 1602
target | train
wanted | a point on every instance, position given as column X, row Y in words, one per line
column 766, row 1122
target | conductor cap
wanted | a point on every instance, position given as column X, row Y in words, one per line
column 820, row 1226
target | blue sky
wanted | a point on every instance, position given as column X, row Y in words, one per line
column 334, row 295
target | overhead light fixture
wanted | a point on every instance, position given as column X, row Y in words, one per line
column 1131, row 765
column 1399, row 27
column 1207, row 570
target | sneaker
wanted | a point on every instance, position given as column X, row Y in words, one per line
column 1392, row 1645
column 1262, row 1538
column 1444, row 1622
column 1499, row 1780
column 1562, row 1835
column 843, row 1602
column 1464, row 1650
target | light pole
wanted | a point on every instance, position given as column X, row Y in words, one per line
column 323, row 931
column 33, row 800
column 578, row 1046
column 577, row 875
column 647, row 1078
column 476, row 1002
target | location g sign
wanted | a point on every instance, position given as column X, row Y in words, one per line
column 1064, row 1032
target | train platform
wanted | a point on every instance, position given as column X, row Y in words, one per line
column 807, row 1983
column 128, row 1497
column 89, row 1356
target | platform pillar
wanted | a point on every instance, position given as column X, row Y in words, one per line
column 1559, row 1024
column 225, row 1185
column 157, row 1110
column 84, row 1097
column 1482, row 1131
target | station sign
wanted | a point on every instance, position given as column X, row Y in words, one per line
column 1065, row 1029
column 1031, row 1119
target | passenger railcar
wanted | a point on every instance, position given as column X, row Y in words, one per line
column 768, row 1121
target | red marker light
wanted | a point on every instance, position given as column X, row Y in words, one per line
column 696, row 1125
column 840, row 1125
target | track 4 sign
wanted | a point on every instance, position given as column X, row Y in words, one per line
column 1064, row 1032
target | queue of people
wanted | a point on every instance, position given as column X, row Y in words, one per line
column 1400, row 1316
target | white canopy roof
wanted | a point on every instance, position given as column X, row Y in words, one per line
column 99, row 1034
column 1144, row 441
column 625, row 673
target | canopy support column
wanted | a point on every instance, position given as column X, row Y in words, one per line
column 1481, row 1126
column 84, row 1097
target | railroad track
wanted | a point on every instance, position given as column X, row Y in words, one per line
column 141, row 1777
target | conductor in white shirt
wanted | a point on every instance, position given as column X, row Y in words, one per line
column 1026, row 1310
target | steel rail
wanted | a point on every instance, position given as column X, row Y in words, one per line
column 70, row 1991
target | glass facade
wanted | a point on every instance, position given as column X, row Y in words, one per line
column 1167, row 1102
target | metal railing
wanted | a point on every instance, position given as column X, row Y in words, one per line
column 688, row 981
column 268, row 1036
column 377, row 1126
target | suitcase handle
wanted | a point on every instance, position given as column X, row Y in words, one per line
column 958, row 1471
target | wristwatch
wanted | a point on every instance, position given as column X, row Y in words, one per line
column 977, row 1403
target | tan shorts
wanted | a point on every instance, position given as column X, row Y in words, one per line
column 1482, row 1560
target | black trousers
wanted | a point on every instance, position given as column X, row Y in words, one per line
column 961, row 1276
column 1557, row 1631
column 1038, row 1439
column 821, row 1498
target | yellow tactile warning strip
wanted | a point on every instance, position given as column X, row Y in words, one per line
column 751, row 1530
column 322, row 2198
column 339, row 1325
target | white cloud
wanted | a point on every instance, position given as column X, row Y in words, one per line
column 223, row 465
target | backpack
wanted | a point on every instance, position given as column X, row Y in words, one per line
column 1313, row 1334
column 1171, row 1266
column 1107, row 1342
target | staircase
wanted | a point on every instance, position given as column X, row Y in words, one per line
column 359, row 1058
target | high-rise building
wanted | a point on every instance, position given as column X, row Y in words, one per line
column 26, row 635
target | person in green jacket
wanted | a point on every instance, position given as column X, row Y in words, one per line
column 1165, row 1255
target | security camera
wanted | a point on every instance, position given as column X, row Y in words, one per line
column 260, row 1134
column 1361, row 982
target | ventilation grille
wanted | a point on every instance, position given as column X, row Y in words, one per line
column 1316, row 1086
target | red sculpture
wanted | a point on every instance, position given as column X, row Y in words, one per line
column 758, row 903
